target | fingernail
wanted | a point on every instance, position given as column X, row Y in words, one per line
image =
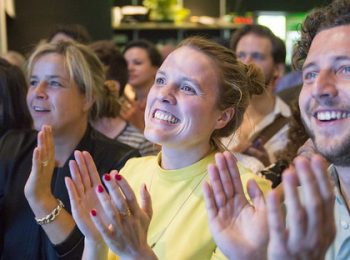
column 93, row 212
column 100, row 188
column 107, row 177
column 118, row 177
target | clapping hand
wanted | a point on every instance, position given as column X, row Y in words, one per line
column 239, row 228
column 38, row 186
column 311, row 226
column 134, row 113
column 114, row 217
column 242, row 231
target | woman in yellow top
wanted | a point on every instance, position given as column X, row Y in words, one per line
column 200, row 94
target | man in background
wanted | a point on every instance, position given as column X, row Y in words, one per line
column 264, row 128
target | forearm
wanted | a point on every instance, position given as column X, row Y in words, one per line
column 95, row 251
column 61, row 227
column 144, row 253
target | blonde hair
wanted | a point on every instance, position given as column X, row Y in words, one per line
column 237, row 83
column 83, row 66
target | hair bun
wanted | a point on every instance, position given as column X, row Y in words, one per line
column 111, row 89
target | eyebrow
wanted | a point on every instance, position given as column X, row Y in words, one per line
column 182, row 78
column 161, row 72
column 337, row 59
column 51, row 77
column 186, row 79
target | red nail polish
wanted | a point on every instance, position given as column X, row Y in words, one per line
column 100, row 189
column 118, row 177
column 93, row 212
column 107, row 177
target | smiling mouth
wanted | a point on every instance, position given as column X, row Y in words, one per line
column 165, row 116
column 40, row 109
column 326, row 116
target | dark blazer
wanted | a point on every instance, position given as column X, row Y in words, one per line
column 20, row 236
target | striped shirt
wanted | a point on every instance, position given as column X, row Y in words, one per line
column 134, row 138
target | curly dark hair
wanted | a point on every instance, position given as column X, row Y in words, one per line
column 335, row 14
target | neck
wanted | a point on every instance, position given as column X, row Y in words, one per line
column 261, row 106
column 110, row 127
column 65, row 143
column 344, row 180
column 175, row 158
column 141, row 92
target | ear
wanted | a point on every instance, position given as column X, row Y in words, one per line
column 279, row 70
column 225, row 117
column 88, row 104
column 278, row 73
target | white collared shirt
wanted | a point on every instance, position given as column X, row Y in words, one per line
column 278, row 141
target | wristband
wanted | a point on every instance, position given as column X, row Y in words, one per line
column 50, row 217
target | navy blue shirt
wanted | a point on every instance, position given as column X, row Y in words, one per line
column 20, row 236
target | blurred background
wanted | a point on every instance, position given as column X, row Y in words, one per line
column 25, row 23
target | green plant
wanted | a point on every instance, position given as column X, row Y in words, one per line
column 161, row 10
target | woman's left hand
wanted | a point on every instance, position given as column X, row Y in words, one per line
column 239, row 229
column 38, row 186
column 126, row 229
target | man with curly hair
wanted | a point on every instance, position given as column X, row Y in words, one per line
column 318, row 219
column 323, row 54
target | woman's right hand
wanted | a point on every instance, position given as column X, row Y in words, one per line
column 125, row 231
column 134, row 113
column 311, row 225
column 114, row 219
column 81, row 189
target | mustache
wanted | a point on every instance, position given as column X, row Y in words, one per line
column 327, row 103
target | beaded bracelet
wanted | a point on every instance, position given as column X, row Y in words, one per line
column 51, row 217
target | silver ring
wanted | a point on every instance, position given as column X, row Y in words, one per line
column 45, row 163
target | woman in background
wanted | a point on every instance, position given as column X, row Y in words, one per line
column 14, row 113
column 108, row 120
column 143, row 59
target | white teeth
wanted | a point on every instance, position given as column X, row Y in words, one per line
column 161, row 115
column 331, row 115
column 40, row 109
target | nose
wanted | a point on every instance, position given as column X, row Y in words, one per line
column 167, row 94
column 246, row 59
column 325, row 86
column 40, row 90
column 130, row 66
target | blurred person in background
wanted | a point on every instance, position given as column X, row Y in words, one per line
column 75, row 32
column 108, row 120
column 15, row 58
column 143, row 59
column 14, row 113
column 264, row 128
